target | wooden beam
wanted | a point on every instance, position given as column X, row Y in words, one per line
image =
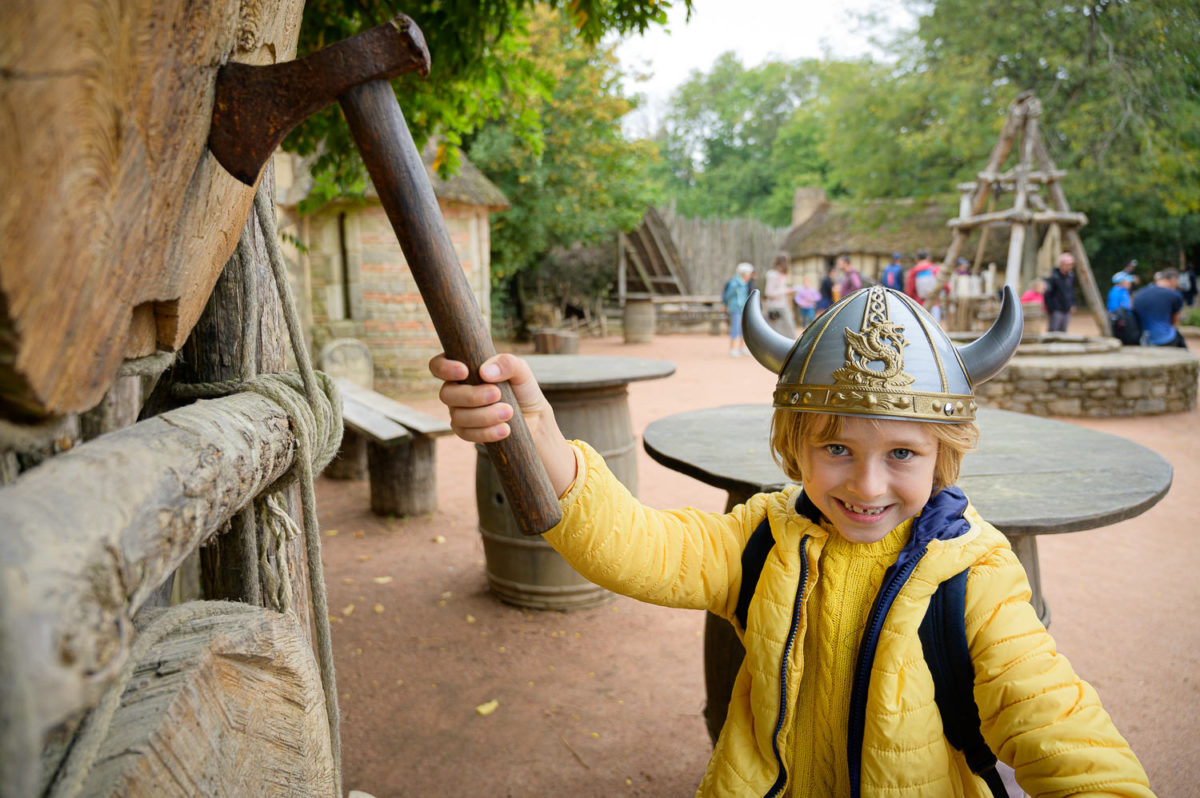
column 91, row 533
column 1012, row 215
column 1087, row 280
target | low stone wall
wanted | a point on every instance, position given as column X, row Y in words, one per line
column 1127, row 381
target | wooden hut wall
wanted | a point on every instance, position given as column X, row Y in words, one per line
column 711, row 249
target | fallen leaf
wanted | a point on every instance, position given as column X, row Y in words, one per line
column 488, row 708
column 348, row 610
column 446, row 594
column 347, row 580
column 331, row 533
column 360, row 534
column 439, row 538
column 470, row 619
column 378, row 608
column 596, row 735
column 363, row 557
column 382, row 580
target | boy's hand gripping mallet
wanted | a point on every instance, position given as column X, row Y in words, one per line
column 256, row 106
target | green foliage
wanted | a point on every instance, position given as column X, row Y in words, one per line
column 1119, row 82
column 480, row 70
column 1120, row 88
column 586, row 180
column 735, row 140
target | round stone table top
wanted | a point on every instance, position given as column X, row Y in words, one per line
column 575, row 372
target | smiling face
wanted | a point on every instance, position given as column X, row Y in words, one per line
column 871, row 475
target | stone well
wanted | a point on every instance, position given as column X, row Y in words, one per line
column 1060, row 374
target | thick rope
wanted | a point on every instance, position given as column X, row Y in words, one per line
column 314, row 407
column 247, row 530
column 310, row 464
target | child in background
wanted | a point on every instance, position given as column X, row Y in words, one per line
column 1035, row 294
column 806, row 299
column 874, row 411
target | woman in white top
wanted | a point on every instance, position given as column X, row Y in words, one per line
column 777, row 302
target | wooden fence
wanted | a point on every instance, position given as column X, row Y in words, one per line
column 712, row 248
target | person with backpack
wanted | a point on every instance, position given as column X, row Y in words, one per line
column 734, row 295
column 893, row 274
column 874, row 411
column 921, row 279
column 1122, row 322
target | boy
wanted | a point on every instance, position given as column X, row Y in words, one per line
column 874, row 411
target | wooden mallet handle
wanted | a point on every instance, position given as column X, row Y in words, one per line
column 395, row 166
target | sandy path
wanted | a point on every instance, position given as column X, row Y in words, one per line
column 607, row 702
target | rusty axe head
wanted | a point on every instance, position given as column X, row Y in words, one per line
column 256, row 106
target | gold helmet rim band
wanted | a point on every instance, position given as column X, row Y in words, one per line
column 880, row 403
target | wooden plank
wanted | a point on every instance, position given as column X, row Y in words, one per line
column 418, row 422
column 91, row 533
column 124, row 220
column 227, row 702
column 366, row 420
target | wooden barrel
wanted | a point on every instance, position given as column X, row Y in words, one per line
column 526, row 571
column 638, row 321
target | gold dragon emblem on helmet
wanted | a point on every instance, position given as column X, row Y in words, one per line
column 879, row 341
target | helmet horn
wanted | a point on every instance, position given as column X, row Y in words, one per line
column 769, row 347
column 984, row 357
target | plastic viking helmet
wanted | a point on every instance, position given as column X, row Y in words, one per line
column 879, row 354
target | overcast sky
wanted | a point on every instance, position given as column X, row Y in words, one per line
column 757, row 30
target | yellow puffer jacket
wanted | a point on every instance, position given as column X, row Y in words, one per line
column 1037, row 715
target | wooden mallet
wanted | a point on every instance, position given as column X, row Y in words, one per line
column 256, row 106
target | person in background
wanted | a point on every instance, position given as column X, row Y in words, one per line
column 1187, row 284
column 893, row 275
column 1131, row 268
column 807, row 298
column 1118, row 295
column 826, row 289
column 1157, row 307
column 851, row 279
column 1036, row 292
column 777, row 302
column 735, row 294
column 1060, row 293
column 921, row 278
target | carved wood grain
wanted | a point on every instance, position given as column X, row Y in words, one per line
column 115, row 219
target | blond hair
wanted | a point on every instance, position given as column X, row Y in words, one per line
column 790, row 431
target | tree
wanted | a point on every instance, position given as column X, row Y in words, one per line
column 726, row 140
column 586, row 180
column 480, row 71
column 1120, row 85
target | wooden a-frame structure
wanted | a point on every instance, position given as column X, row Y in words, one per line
column 1038, row 199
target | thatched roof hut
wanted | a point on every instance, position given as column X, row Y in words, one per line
column 870, row 231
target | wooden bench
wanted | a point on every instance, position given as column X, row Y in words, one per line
column 393, row 445
column 681, row 312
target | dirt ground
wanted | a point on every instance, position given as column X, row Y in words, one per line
column 608, row 701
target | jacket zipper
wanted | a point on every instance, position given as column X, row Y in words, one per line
column 862, row 671
column 781, row 781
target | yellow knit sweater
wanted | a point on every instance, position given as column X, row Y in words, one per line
column 850, row 577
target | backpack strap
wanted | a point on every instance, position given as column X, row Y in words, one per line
column 943, row 634
column 753, row 557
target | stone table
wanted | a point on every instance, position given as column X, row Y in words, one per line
column 590, row 397
column 1030, row 476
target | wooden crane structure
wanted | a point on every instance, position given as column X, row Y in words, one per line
column 1038, row 199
